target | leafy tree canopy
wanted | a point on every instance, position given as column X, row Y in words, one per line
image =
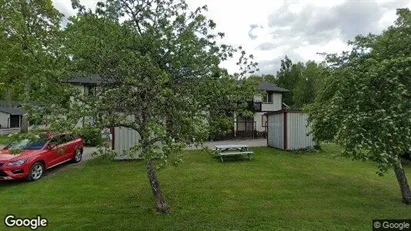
column 365, row 105
column 159, row 63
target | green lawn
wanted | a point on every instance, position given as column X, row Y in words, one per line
column 274, row 191
column 4, row 140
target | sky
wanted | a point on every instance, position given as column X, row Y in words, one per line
column 300, row 29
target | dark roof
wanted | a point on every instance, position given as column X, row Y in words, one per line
column 12, row 110
column 90, row 79
column 266, row 86
column 5, row 103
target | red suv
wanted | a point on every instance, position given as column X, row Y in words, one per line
column 38, row 154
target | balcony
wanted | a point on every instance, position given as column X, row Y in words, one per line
column 255, row 106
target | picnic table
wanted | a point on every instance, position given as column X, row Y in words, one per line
column 233, row 150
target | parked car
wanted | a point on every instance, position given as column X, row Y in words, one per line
column 34, row 156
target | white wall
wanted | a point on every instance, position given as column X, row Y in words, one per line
column 275, row 105
column 275, row 134
column 4, row 119
column 124, row 139
column 7, row 131
column 258, row 121
column 297, row 131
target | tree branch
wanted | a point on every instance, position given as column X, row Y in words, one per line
column 133, row 14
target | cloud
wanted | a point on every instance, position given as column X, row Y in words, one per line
column 295, row 28
column 250, row 32
column 273, row 65
column 65, row 8
column 266, row 46
column 389, row 4
column 319, row 24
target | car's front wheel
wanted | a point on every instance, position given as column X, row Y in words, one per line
column 36, row 171
column 78, row 155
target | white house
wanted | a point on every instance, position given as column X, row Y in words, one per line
column 271, row 100
column 122, row 138
column 87, row 85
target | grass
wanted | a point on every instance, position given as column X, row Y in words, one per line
column 275, row 191
column 4, row 140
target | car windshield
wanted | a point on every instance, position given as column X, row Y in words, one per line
column 21, row 144
column 27, row 144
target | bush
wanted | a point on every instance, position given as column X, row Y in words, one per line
column 305, row 150
column 91, row 136
column 5, row 139
column 317, row 147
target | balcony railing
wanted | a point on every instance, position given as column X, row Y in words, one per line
column 255, row 106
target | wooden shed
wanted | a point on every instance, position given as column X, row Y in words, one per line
column 288, row 130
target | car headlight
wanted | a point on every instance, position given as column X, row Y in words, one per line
column 17, row 162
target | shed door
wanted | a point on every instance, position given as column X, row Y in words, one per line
column 14, row 121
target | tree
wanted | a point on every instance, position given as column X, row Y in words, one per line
column 29, row 53
column 303, row 81
column 228, row 97
column 270, row 78
column 308, row 84
column 155, row 58
column 365, row 105
column 287, row 79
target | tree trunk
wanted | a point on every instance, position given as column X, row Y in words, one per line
column 161, row 204
column 403, row 183
column 24, row 123
column 8, row 95
column 25, row 117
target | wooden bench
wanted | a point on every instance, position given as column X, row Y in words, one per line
column 233, row 150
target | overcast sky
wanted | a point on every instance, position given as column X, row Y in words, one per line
column 298, row 28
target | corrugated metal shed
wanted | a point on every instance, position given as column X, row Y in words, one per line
column 288, row 130
column 124, row 139
column 275, row 132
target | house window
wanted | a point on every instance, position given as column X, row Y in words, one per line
column 90, row 90
column 264, row 121
column 268, row 98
